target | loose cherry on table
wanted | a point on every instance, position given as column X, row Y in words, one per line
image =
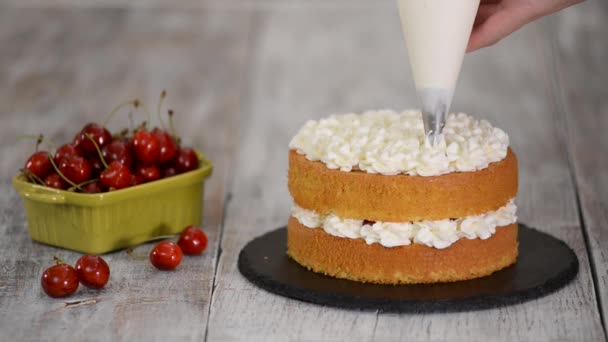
column 166, row 255
column 93, row 272
column 192, row 241
column 187, row 160
column 146, row 146
column 59, row 280
column 39, row 164
column 116, row 176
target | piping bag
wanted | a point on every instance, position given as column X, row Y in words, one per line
column 436, row 35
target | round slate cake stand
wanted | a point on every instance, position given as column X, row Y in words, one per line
column 545, row 264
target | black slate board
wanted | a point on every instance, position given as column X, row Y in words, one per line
column 545, row 264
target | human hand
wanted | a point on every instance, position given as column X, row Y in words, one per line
column 497, row 19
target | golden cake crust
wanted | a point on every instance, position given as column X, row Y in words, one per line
column 355, row 260
column 401, row 198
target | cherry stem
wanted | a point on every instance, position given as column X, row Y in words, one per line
column 61, row 174
column 103, row 161
column 171, row 125
column 58, row 261
column 133, row 103
column 85, row 183
column 143, row 107
column 31, row 175
column 163, row 94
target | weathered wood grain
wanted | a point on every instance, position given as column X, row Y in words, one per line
column 579, row 75
column 310, row 63
column 67, row 67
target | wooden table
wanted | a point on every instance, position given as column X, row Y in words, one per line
column 242, row 77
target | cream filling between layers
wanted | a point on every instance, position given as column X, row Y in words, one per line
column 438, row 234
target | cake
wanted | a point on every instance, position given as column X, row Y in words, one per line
column 375, row 201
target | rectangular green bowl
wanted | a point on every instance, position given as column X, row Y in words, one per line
column 100, row 223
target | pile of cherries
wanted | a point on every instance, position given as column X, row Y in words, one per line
column 61, row 280
column 97, row 161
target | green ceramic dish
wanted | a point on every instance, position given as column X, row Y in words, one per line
column 100, row 223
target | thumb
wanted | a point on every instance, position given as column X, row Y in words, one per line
column 496, row 27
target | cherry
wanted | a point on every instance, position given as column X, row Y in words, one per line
column 55, row 181
column 166, row 255
column 147, row 173
column 59, row 280
column 146, row 146
column 92, row 271
column 92, row 188
column 118, row 150
column 65, row 152
column 76, row 169
column 192, row 241
column 39, row 164
column 116, row 176
column 98, row 133
column 96, row 165
column 168, row 149
column 369, row 222
column 169, row 171
column 187, row 160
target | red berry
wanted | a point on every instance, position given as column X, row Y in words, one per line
column 166, row 255
column 59, row 280
column 116, row 176
column 187, row 160
column 39, row 164
column 147, row 173
column 76, row 169
column 92, row 271
column 66, row 152
column 169, row 171
column 168, row 149
column 92, row 188
column 55, row 181
column 192, row 241
column 96, row 165
column 98, row 133
column 120, row 151
column 146, row 146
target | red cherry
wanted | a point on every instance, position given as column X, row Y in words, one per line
column 146, row 146
column 116, row 176
column 166, row 255
column 96, row 165
column 92, row 188
column 59, row 280
column 169, row 171
column 55, row 181
column 168, row 149
column 92, row 271
column 147, row 173
column 187, row 160
column 39, row 164
column 120, row 151
column 136, row 179
column 192, row 241
column 98, row 133
column 76, row 169
column 65, row 152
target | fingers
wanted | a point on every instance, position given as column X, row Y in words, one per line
column 484, row 12
column 495, row 24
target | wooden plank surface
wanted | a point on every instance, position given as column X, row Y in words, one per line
column 68, row 67
column 243, row 76
column 579, row 76
column 310, row 63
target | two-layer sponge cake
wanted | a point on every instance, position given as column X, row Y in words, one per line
column 374, row 201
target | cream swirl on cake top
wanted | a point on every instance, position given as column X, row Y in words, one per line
column 390, row 143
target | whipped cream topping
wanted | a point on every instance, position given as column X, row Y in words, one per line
column 438, row 234
column 390, row 143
